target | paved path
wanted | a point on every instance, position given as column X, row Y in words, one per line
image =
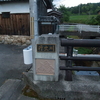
column 11, row 66
column 11, row 62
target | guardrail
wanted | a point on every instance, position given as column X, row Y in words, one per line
column 69, row 44
column 79, row 28
column 68, row 28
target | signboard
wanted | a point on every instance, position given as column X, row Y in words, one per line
column 45, row 47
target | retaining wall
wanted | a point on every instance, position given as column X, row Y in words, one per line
column 15, row 40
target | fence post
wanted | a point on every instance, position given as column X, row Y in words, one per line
column 68, row 63
column 80, row 29
column 98, row 29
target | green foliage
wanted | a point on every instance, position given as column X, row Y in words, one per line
column 94, row 20
column 65, row 13
column 83, row 13
column 82, row 50
column 71, row 29
column 98, row 19
column 87, row 9
column 65, row 18
column 74, row 37
column 80, row 18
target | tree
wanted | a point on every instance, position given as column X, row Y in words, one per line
column 65, row 13
column 89, row 8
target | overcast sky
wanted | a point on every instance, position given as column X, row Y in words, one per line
column 71, row 3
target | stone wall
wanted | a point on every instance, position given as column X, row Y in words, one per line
column 15, row 40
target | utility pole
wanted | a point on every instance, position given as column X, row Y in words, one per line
column 33, row 19
column 79, row 9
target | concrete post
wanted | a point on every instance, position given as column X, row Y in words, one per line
column 33, row 19
column 46, row 58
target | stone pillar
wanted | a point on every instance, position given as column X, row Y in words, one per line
column 46, row 58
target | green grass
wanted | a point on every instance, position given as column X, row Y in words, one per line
column 74, row 37
column 81, row 50
column 71, row 28
column 80, row 18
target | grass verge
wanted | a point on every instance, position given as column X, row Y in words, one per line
column 80, row 18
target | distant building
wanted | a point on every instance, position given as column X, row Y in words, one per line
column 14, row 17
column 55, row 13
column 43, row 5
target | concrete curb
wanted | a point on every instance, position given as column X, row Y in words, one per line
column 81, row 88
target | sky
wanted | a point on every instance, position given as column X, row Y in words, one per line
column 72, row 3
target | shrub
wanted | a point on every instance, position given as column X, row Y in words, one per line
column 82, row 50
column 98, row 19
column 94, row 20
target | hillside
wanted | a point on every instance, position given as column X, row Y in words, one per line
column 85, row 9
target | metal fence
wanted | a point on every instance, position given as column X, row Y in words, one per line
column 79, row 28
column 69, row 44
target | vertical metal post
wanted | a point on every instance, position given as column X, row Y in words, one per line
column 68, row 63
column 52, row 26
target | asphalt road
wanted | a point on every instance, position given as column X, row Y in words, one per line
column 11, row 62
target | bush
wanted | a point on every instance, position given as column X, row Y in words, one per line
column 82, row 50
column 65, row 13
column 94, row 20
column 98, row 19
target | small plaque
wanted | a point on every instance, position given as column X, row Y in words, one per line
column 45, row 47
column 45, row 66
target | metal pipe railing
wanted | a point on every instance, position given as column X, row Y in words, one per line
column 69, row 44
column 81, row 42
column 80, row 68
column 80, row 58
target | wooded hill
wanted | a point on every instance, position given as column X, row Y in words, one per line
column 85, row 9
